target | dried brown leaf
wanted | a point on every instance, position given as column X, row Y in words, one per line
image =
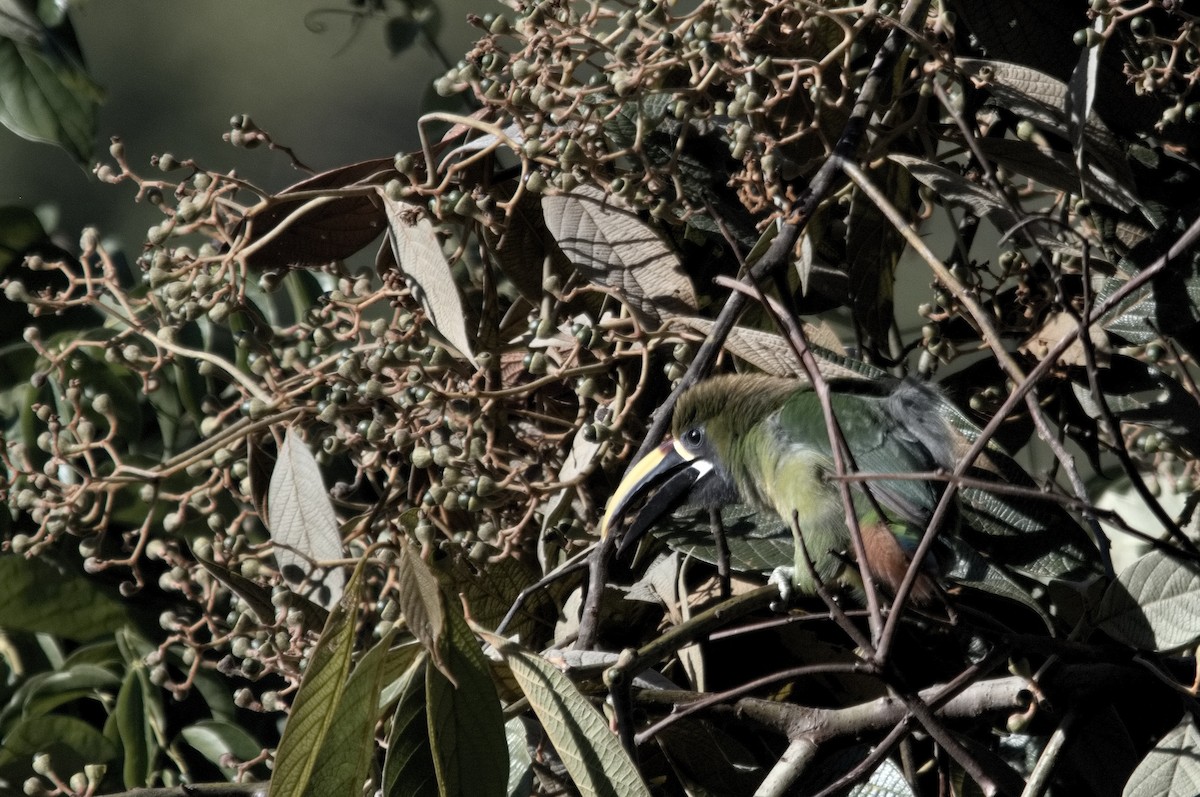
column 332, row 230
column 1057, row 327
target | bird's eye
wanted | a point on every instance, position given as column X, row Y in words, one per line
column 693, row 438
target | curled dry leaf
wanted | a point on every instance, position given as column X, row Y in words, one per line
column 615, row 249
column 331, row 228
column 418, row 252
column 1059, row 325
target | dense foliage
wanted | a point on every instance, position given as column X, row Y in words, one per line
column 276, row 513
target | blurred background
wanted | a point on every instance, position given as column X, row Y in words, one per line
column 317, row 76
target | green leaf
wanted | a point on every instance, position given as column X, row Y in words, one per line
column 70, row 742
column 1172, row 768
column 758, row 542
column 255, row 596
column 38, row 597
column 341, row 766
column 20, row 229
column 408, row 770
column 133, row 720
column 48, row 99
column 466, row 726
column 42, row 692
column 316, row 703
column 217, row 739
column 1154, row 603
column 589, row 750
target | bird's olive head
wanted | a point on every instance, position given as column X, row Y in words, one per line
column 693, row 465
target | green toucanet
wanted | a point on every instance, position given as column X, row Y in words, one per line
column 764, row 441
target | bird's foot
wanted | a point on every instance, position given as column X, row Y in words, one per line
column 782, row 577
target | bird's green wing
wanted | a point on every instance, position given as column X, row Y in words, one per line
column 878, row 442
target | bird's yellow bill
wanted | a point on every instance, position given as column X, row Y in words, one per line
column 671, row 464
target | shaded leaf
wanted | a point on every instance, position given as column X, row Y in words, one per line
column 423, row 605
column 138, row 740
column 1172, row 768
column 70, row 742
column 1139, row 393
column 38, row 597
column 20, row 229
column 873, row 248
column 256, row 597
column 418, row 252
column 1154, row 603
column 708, row 757
column 261, row 463
column 958, row 190
column 48, row 99
column 302, row 522
column 615, row 249
column 316, row 703
column 408, row 769
column 1058, row 170
column 758, row 542
column 588, row 748
column 466, row 726
column 1042, row 99
column 41, row 693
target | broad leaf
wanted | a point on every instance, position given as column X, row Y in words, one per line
column 423, row 605
column 47, row 97
column 955, row 189
column 1154, row 603
column 345, row 757
column 613, row 248
column 873, row 248
column 466, row 726
column 219, row 740
column 307, row 233
column 70, row 742
column 133, row 721
column 1042, row 99
column 408, row 769
column 1172, row 768
column 593, row 756
column 302, row 521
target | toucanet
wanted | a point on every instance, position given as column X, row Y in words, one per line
column 764, row 441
